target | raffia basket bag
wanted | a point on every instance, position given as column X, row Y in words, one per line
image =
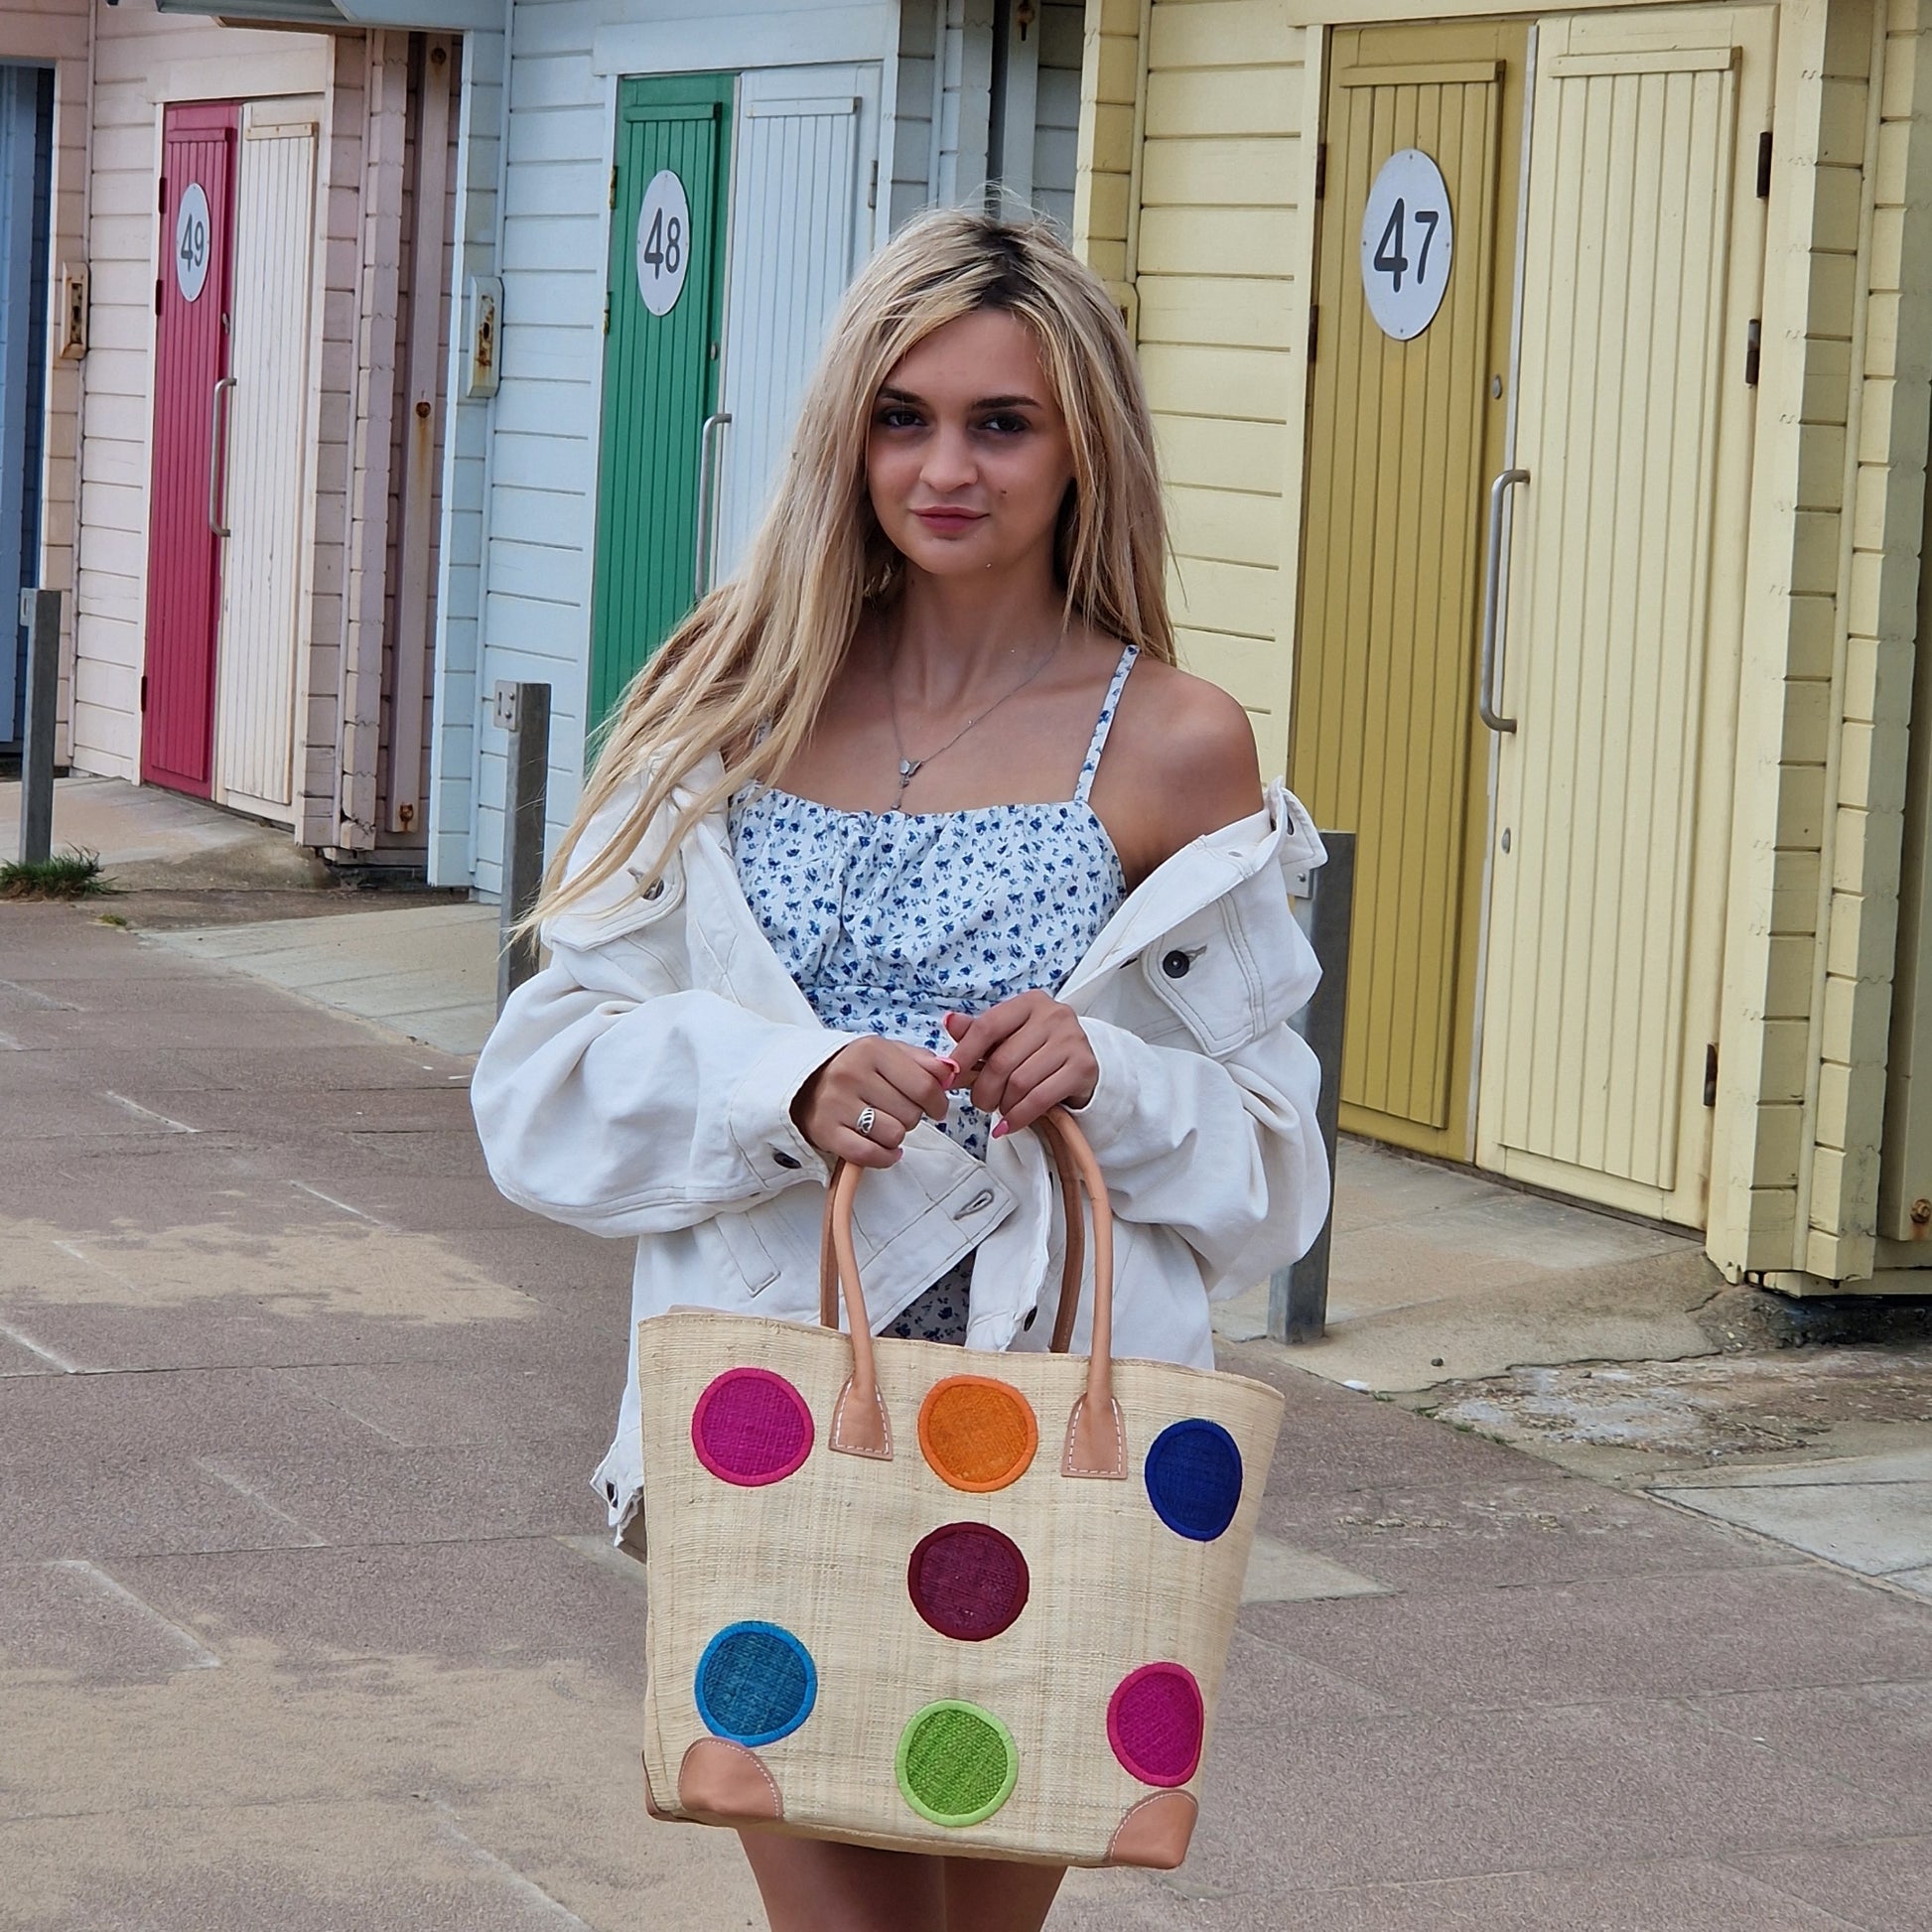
column 898, row 1601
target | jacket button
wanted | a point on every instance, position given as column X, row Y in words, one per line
column 785, row 1159
column 1176, row 964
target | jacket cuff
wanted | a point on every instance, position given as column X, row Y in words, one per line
column 1113, row 1105
column 759, row 1111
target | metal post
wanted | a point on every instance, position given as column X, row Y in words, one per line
column 1298, row 1295
column 523, row 710
column 39, row 611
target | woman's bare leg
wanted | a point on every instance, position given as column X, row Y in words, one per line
column 992, row 1896
column 817, row 1885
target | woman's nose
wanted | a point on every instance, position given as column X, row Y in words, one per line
column 949, row 462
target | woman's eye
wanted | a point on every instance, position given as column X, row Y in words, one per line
column 894, row 417
column 1005, row 425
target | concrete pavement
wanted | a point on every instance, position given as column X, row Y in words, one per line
column 307, row 1618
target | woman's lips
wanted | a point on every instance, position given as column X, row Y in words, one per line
column 949, row 522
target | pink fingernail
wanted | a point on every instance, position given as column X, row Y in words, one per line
column 949, row 1063
column 1001, row 1129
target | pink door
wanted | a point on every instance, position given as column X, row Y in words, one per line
column 185, row 504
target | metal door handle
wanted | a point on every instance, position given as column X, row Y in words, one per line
column 707, row 447
column 1492, row 602
column 214, row 524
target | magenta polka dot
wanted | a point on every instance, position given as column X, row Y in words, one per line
column 752, row 1427
column 1156, row 1721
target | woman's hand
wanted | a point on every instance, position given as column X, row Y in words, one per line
column 1022, row 1056
column 899, row 1083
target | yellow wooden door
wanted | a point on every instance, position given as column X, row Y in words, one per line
column 1403, row 437
column 1642, row 269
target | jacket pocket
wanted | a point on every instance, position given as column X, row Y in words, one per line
column 750, row 1258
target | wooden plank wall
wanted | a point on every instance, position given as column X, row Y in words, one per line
column 455, row 722
column 1871, row 692
column 1219, row 305
column 1061, row 29
column 915, row 163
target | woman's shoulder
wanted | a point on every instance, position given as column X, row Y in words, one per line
column 1183, row 759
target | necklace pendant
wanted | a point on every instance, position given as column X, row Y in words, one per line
column 909, row 769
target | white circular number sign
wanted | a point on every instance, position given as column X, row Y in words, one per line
column 191, row 242
column 1408, row 238
column 664, row 243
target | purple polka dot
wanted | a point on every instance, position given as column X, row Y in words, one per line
column 1156, row 1722
column 968, row 1581
column 752, row 1427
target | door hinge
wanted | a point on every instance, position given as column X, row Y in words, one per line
column 1710, row 1074
column 607, row 315
column 161, row 196
column 1754, row 351
column 872, row 191
column 157, row 295
column 1765, row 165
column 144, row 691
column 1314, row 330
column 1320, row 170
column 613, row 188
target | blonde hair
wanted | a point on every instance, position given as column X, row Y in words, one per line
column 746, row 673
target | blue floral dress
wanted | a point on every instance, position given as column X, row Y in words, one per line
column 889, row 921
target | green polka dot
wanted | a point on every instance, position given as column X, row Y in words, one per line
column 957, row 1764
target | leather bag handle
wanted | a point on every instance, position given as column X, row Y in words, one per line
column 1071, row 1268
column 1096, row 1437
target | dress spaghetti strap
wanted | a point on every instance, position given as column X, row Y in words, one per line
column 1100, row 730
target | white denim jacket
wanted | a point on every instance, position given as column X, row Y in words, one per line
column 641, row 1085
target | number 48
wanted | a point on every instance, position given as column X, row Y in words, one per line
column 1389, row 258
column 664, row 245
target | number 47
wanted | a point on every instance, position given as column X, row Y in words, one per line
column 1389, row 257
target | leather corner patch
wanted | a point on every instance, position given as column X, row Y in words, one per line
column 723, row 1781
column 1153, row 1834
column 857, row 1432
column 1096, row 1444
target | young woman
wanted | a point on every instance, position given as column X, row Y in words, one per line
column 908, row 833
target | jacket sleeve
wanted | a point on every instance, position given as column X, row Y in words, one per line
column 625, row 1110
column 1225, row 1152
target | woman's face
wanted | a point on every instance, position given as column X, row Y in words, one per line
column 967, row 459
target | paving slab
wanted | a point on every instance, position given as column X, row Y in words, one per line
column 1874, row 1734
column 1658, row 1636
column 1881, row 1529
column 1879, row 1888
column 427, row 971
column 1680, row 1896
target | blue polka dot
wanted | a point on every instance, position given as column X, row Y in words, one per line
column 1193, row 1478
column 756, row 1684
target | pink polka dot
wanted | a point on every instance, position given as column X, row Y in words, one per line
column 1156, row 1722
column 752, row 1427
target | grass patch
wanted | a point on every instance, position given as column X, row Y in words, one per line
column 72, row 873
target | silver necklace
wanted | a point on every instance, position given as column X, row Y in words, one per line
column 909, row 769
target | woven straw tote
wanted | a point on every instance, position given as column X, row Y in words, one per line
column 902, row 1602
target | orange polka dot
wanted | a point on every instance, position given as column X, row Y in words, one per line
column 976, row 1432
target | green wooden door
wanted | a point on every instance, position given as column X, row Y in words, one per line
column 660, row 366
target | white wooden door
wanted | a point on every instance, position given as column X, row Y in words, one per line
column 1642, row 271
column 267, row 430
column 801, row 199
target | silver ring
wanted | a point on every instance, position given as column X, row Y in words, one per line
column 867, row 1115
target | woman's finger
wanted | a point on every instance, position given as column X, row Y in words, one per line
column 1042, row 1083
column 914, row 1078
column 993, row 1085
column 849, row 1145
